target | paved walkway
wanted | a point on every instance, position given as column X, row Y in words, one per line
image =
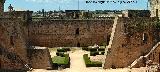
column 77, row 63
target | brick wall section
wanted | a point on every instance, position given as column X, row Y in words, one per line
column 58, row 33
column 128, row 41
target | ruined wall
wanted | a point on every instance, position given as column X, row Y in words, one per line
column 129, row 43
column 12, row 44
column 39, row 58
column 56, row 33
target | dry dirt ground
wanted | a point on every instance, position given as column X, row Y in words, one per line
column 78, row 65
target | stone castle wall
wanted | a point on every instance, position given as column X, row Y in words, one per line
column 128, row 43
column 12, row 44
column 56, row 33
column 15, row 48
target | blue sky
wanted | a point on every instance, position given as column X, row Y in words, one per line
column 36, row 5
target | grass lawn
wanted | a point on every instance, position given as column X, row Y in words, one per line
column 60, row 60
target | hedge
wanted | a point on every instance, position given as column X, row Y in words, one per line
column 101, row 49
column 91, row 63
column 86, row 59
column 62, row 54
column 93, row 49
column 67, row 49
column 59, row 53
column 85, row 48
column 63, row 50
column 61, row 60
column 94, row 53
column 102, row 53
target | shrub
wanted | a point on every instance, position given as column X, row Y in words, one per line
column 67, row 49
column 91, row 63
column 61, row 50
column 86, row 58
column 102, row 53
column 85, row 48
column 96, row 64
column 64, row 50
column 63, row 60
column 101, row 49
column 94, row 53
column 66, row 55
column 93, row 49
column 59, row 53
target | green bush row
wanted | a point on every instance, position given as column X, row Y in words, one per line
column 93, row 49
column 63, row 50
column 96, row 53
column 101, row 49
column 91, row 63
column 102, row 53
column 62, row 54
column 64, row 60
column 85, row 48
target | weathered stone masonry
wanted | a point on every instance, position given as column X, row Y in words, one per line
column 1, row 7
column 128, row 43
column 56, row 33
column 13, row 44
column 16, row 49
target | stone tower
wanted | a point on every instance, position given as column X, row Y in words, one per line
column 155, row 8
column 1, row 7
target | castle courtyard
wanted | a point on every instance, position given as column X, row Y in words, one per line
column 78, row 65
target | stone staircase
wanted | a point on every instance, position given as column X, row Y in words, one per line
column 112, row 34
column 141, row 57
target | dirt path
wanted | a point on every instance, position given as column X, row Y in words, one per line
column 77, row 62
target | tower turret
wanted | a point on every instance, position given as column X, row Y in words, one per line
column 155, row 8
column 2, row 7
